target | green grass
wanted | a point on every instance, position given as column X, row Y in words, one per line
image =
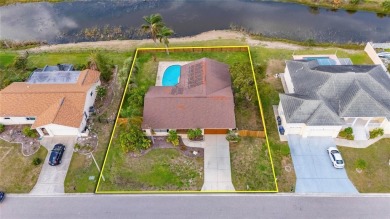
column 250, row 164
column 39, row 60
column 6, row 58
column 158, row 170
column 375, row 178
column 8, row 2
column 18, row 174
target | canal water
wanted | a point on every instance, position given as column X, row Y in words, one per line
column 103, row 20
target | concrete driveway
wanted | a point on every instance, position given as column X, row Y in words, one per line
column 51, row 179
column 217, row 171
column 314, row 170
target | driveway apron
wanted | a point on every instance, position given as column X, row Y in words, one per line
column 217, row 171
column 51, row 179
column 314, row 170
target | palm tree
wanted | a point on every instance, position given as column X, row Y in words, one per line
column 163, row 35
column 153, row 25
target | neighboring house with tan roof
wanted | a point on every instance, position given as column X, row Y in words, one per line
column 320, row 100
column 203, row 99
column 53, row 102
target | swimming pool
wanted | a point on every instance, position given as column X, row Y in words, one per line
column 322, row 60
column 171, row 75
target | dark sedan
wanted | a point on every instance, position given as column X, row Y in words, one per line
column 56, row 154
column 2, row 196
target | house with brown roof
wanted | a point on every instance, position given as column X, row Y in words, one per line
column 203, row 98
column 53, row 102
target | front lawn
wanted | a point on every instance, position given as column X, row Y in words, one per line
column 18, row 173
column 376, row 174
column 161, row 169
column 251, row 166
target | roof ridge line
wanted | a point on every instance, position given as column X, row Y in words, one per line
column 58, row 109
column 362, row 91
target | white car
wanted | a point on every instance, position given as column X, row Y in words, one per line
column 335, row 157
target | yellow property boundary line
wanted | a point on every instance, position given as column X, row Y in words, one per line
column 120, row 107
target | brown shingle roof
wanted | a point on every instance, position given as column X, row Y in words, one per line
column 61, row 104
column 205, row 99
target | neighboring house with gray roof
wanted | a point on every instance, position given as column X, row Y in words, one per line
column 322, row 99
column 203, row 99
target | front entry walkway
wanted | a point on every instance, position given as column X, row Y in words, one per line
column 51, row 179
column 217, row 171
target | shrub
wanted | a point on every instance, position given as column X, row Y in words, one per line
column 77, row 147
column 386, row 5
column 348, row 130
column 101, row 91
column 36, row 161
column 194, row 133
column 354, row 2
column 360, row 164
column 27, row 131
column 173, row 138
column 376, row 132
column 232, row 136
column 20, row 62
column 99, row 62
column 242, row 80
column 133, row 138
column 2, row 128
column 347, row 133
column 310, row 42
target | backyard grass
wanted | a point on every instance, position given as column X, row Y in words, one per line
column 251, row 166
column 375, row 177
column 18, row 173
column 6, row 58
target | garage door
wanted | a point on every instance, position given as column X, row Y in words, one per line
column 64, row 131
column 320, row 132
column 216, row 131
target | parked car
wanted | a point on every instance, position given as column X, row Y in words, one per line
column 335, row 157
column 279, row 120
column 56, row 154
column 2, row 196
column 281, row 130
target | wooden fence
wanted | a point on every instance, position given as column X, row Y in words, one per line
column 258, row 134
column 196, row 49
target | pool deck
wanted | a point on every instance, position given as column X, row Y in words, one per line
column 330, row 56
column 162, row 66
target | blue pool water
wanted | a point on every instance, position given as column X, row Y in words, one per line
column 171, row 75
column 322, row 60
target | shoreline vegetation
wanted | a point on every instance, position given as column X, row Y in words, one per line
column 236, row 35
column 351, row 6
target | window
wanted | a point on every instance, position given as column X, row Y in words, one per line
column 91, row 93
column 7, row 118
column 160, row 130
column 30, row 118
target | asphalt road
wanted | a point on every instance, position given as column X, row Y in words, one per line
column 195, row 206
